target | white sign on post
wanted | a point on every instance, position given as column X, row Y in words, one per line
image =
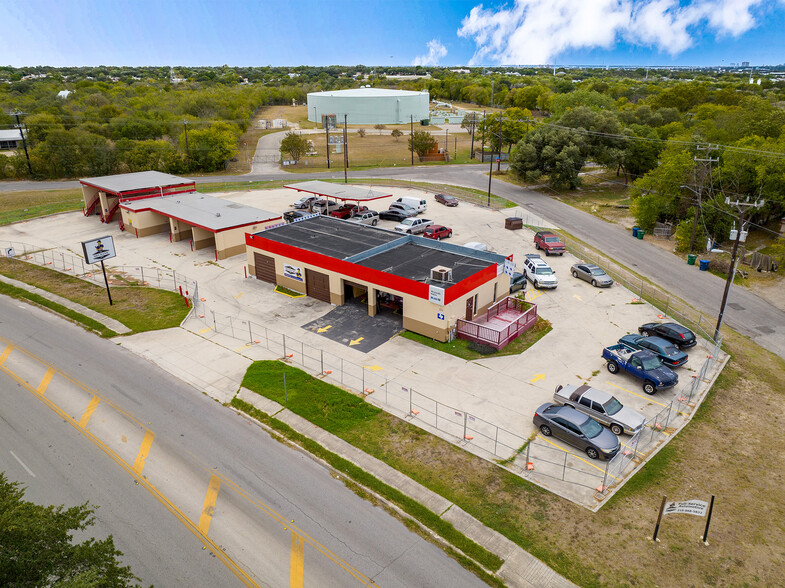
column 9, row 252
column 509, row 267
column 436, row 295
column 97, row 250
column 693, row 507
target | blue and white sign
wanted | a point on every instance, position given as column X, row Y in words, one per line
column 99, row 249
column 440, row 316
column 436, row 295
column 293, row 272
column 509, row 267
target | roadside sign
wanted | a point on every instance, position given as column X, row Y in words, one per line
column 9, row 252
column 96, row 250
column 693, row 507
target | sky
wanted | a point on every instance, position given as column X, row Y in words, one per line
column 391, row 32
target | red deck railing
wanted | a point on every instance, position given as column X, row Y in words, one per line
column 497, row 336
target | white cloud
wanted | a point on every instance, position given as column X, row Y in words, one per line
column 537, row 31
column 435, row 52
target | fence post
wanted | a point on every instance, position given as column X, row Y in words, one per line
column 668, row 417
column 321, row 358
column 215, row 324
column 564, row 468
column 142, row 270
column 437, row 416
column 342, row 371
column 266, row 339
column 641, row 290
column 465, row 416
column 250, row 333
column 362, row 367
column 174, row 279
column 410, row 402
column 667, row 305
column 284, row 345
column 528, row 447
column 231, row 326
column 386, row 381
column 605, row 477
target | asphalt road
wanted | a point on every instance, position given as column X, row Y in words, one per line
column 173, row 472
column 746, row 312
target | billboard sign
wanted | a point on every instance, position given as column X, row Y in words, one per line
column 97, row 250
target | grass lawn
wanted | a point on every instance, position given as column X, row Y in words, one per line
column 715, row 454
column 467, row 350
column 18, row 206
column 138, row 308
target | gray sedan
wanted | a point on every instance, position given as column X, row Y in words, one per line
column 593, row 274
column 577, row 429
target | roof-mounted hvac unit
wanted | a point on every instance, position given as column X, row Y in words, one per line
column 441, row 273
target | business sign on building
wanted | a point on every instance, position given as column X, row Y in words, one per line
column 293, row 272
column 693, row 507
column 436, row 295
column 97, row 250
column 509, row 267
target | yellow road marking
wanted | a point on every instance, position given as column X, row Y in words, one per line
column 578, row 297
column 89, row 411
column 575, row 456
column 355, row 341
column 635, row 394
column 244, row 577
column 6, row 353
column 240, row 294
column 537, row 294
column 537, row 378
column 307, row 538
column 144, row 449
column 324, row 329
column 50, row 373
column 243, row 348
column 209, row 504
column 297, row 561
column 207, row 330
column 373, row 368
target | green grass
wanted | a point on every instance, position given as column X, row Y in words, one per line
column 321, row 394
column 464, row 349
column 138, row 308
column 27, row 204
column 22, row 294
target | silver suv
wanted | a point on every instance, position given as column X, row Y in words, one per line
column 538, row 272
column 369, row 217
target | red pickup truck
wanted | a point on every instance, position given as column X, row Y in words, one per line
column 549, row 242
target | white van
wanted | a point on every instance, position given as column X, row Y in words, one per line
column 417, row 204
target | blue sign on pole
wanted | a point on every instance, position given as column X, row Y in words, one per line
column 440, row 316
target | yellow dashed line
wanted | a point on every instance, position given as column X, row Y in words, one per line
column 297, row 561
column 144, row 449
column 45, row 381
column 207, row 330
column 89, row 411
column 208, row 510
column 5, row 354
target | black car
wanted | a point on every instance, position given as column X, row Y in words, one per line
column 394, row 215
column 577, row 429
column 681, row 336
column 517, row 282
column 446, row 199
column 291, row 215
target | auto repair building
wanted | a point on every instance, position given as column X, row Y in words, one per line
column 430, row 283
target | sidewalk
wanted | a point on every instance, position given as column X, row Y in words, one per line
column 110, row 323
column 520, row 568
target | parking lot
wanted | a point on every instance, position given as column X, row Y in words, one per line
column 502, row 392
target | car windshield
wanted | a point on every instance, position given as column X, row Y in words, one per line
column 612, row 406
column 650, row 363
column 590, row 428
column 551, row 239
column 597, row 272
column 543, row 271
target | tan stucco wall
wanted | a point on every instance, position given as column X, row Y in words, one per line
column 145, row 222
column 179, row 230
column 202, row 238
column 89, row 194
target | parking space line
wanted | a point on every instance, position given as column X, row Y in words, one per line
column 531, row 298
column 575, row 456
column 297, row 561
column 635, row 394
column 89, row 411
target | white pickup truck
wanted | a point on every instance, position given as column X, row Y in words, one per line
column 413, row 225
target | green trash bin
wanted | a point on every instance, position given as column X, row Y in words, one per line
column 641, row 233
column 691, row 259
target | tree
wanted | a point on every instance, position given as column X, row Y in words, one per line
column 37, row 549
column 421, row 142
column 379, row 127
column 361, row 133
column 396, row 133
column 212, row 147
column 555, row 152
column 294, row 145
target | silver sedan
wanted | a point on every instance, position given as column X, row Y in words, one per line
column 593, row 274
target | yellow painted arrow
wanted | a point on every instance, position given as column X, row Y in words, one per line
column 356, row 341
column 323, row 329
column 576, row 296
column 373, row 368
column 537, row 378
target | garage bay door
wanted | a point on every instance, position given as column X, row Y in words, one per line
column 317, row 285
column 265, row 268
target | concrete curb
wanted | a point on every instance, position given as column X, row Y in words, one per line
column 520, row 568
column 111, row 323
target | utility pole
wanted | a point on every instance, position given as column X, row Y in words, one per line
column 483, row 135
column 411, row 136
column 326, row 125
column 447, row 142
column 705, row 171
column 187, row 151
column 345, row 151
column 742, row 208
column 24, row 140
column 473, row 124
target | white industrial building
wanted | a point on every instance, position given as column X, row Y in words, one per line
column 369, row 106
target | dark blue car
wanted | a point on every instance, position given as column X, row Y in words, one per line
column 668, row 353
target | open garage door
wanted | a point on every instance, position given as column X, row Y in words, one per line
column 265, row 268
column 317, row 285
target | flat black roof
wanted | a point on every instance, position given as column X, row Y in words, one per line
column 330, row 236
column 401, row 255
column 414, row 261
